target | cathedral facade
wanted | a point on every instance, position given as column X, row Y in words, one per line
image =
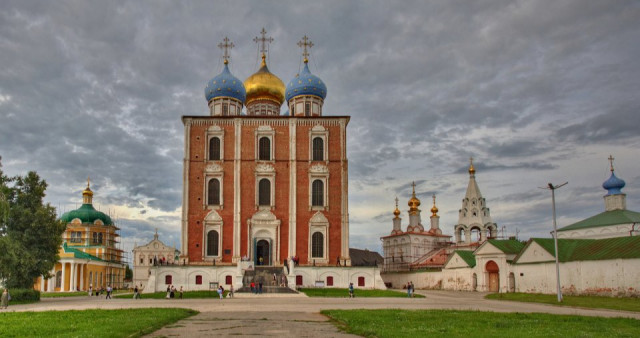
column 260, row 186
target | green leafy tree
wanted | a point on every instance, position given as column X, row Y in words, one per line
column 128, row 273
column 30, row 233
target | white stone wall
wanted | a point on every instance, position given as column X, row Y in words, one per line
column 431, row 280
column 619, row 277
column 185, row 276
column 458, row 279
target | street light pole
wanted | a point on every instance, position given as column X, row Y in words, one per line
column 555, row 234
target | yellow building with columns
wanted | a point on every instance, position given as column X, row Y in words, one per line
column 89, row 255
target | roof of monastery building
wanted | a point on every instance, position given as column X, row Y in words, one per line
column 590, row 249
column 79, row 254
column 467, row 256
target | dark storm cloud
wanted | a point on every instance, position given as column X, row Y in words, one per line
column 97, row 88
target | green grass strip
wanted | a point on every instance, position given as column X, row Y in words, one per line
column 596, row 302
column 89, row 323
column 450, row 323
column 343, row 293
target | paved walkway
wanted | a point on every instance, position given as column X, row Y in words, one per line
column 296, row 315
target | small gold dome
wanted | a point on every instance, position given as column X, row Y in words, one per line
column 263, row 85
column 434, row 209
column 472, row 170
column 397, row 211
column 414, row 202
column 87, row 190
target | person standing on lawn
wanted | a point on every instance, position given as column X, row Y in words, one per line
column 351, row 295
column 4, row 300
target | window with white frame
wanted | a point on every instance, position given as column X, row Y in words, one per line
column 318, row 187
column 264, row 149
column 317, row 193
column 213, row 192
column 215, row 143
column 264, row 192
column 214, row 148
column 317, row 149
column 213, row 243
column 318, row 145
column 318, row 237
column 317, row 245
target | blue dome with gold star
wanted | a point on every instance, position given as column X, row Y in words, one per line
column 225, row 85
column 306, row 83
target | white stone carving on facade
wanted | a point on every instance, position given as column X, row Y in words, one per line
column 265, row 128
column 215, row 128
column 318, row 169
column 264, row 168
column 318, row 217
column 213, row 168
column 318, row 128
column 213, row 216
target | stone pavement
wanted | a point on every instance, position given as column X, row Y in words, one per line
column 296, row 315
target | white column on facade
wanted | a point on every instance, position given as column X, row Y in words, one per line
column 64, row 277
column 42, row 280
column 292, row 187
column 51, row 280
column 237, row 221
column 185, row 188
column 72, row 282
column 82, row 276
column 345, row 190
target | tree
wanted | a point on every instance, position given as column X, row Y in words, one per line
column 30, row 233
column 128, row 273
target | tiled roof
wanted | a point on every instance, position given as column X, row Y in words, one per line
column 364, row 257
column 79, row 254
column 605, row 218
column 467, row 256
column 509, row 246
column 592, row 249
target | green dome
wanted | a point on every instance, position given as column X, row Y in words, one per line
column 87, row 214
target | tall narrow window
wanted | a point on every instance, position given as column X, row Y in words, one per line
column 100, row 238
column 317, row 245
column 213, row 193
column 318, row 149
column 212, row 243
column 264, row 151
column 264, row 192
column 307, row 109
column 168, row 279
column 95, row 238
column 214, row 149
column 317, row 193
column 225, row 109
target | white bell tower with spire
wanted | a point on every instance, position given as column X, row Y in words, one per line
column 474, row 216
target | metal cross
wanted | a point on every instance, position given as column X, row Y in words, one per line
column 611, row 161
column 396, row 202
column 226, row 45
column 434, row 199
column 304, row 43
column 470, row 160
column 263, row 41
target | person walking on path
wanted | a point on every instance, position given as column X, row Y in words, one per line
column 231, row 291
column 136, row 295
column 253, row 287
column 108, row 292
column 4, row 300
column 181, row 291
column 351, row 295
column 220, row 291
column 413, row 289
column 260, row 288
column 409, row 289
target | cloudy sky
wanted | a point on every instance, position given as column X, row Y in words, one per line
column 535, row 91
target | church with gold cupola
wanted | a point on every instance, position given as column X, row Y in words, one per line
column 262, row 187
column 416, row 247
column 90, row 256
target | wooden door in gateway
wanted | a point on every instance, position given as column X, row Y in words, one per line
column 494, row 276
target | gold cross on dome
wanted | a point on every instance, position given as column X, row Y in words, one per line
column 226, row 45
column 470, row 160
column 396, row 202
column 263, row 41
column 611, row 161
column 304, row 43
column 434, row 199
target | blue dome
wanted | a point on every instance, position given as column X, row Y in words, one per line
column 613, row 185
column 225, row 85
column 306, row 83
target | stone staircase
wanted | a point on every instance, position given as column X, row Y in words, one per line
column 264, row 274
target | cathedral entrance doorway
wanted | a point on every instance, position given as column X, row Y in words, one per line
column 263, row 252
column 494, row 276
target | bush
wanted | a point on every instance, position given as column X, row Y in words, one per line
column 24, row 295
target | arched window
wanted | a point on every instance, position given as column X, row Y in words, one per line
column 214, row 149
column 317, row 193
column 264, row 192
column 100, row 238
column 318, row 149
column 317, row 245
column 264, row 150
column 212, row 243
column 95, row 238
column 213, row 193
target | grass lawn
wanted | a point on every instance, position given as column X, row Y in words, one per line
column 185, row 295
column 598, row 302
column 448, row 323
column 89, row 323
column 343, row 293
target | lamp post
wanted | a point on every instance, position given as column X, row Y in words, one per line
column 555, row 234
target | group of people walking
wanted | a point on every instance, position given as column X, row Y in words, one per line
column 100, row 290
column 171, row 292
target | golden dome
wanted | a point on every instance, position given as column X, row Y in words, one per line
column 87, row 190
column 397, row 211
column 472, row 170
column 434, row 209
column 414, row 202
column 263, row 85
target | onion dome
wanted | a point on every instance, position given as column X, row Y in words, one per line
column 434, row 209
column 306, row 83
column 414, row 202
column 613, row 185
column 397, row 211
column 86, row 213
column 225, row 85
column 263, row 85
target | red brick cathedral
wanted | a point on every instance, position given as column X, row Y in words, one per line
column 260, row 185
